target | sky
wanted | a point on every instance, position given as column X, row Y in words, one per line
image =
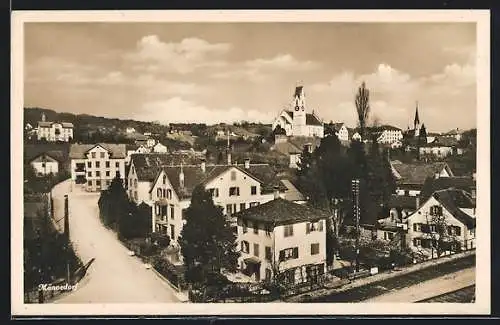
column 227, row 72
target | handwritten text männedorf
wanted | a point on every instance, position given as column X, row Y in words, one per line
column 60, row 287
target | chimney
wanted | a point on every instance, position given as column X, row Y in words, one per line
column 203, row 165
column 417, row 202
column 276, row 192
column 181, row 178
column 247, row 163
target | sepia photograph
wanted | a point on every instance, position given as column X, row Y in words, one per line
column 289, row 162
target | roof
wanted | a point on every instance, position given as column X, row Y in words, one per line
column 280, row 211
column 441, row 141
column 286, row 148
column 402, row 202
column 49, row 124
column 383, row 128
column 147, row 165
column 55, row 154
column 78, row 151
column 454, row 199
column 311, row 119
column 435, row 184
column 193, row 176
column 416, row 173
column 292, row 193
column 337, row 126
column 298, row 91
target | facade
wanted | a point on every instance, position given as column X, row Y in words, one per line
column 410, row 178
column 297, row 122
column 441, row 147
column 234, row 188
column 388, row 134
column 341, row 131
column 150, row 142
column 54, row 131
column 93, row 166
column 448, row 216
column 45, row 164
column 159, row 148
column 356, row 136
column 282, row 238
column 293, row 147
column 133, row 149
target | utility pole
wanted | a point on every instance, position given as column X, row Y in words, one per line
column 355, row 190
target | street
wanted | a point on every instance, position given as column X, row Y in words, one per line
column 114, row 276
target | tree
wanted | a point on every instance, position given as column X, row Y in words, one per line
column 208, row 243
column 114, row 204
column 363, row 106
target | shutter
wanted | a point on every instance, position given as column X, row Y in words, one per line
column 415, row 242
column 308, row 227
column 321, row 225
column 282, row 255
column 295, row 252
column 458, row 231
column 414, row 227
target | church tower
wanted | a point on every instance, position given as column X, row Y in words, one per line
column 416, row 122
column 299, row 112
column 43, row 117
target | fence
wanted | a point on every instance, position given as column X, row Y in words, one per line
column 432, row 253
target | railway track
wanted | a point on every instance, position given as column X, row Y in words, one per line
column 463, row 295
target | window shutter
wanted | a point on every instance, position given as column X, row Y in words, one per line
column 295, row 252
column 308, row 227
column 414, row 227
column 440, row 210
column 321, row 225
column 458, row 231
column 282, row 255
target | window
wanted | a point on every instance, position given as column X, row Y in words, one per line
column 158, row 192
column 172, row 211
column 135, row 182
column 436, row 210
column 89, row 164
column 229, row 209
column 388, row 235
column 256, row 250
column 107, row 164
column 164, row 192
column 117, row 164
column 107, row 173
column 242, row 206
column 98, row 183
column 458, row 231
column 214, row 192
column 172, row 231
column 169, row 194
column 89, row 183
column 254, row 204
column 233, row 175
column 256, row 228
column 245, row 226
column 93, row 155
column 253, row 190
column 269, row 230
column 269, row 255
column 43, row 165
column 102, row 154
column 245, row 247
column 135, row 193
column 98, row 174
column 289, row 253
column 432, row 228
column 417, row 242
column 314, row 226
column 97, row 164
column 417, row 227
column 183, row 214
column 164, row 179
column 315, row 249
column 288, row 230
column 234, row 191
column 89, row 174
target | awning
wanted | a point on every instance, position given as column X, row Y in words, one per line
column 252, row 260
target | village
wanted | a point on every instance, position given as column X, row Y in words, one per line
column 299, row 209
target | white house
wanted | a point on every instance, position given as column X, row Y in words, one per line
column 150, row 142
column 54, row 131
column 233, row 187
column 93, row 166
column 130, row 130
column 159, row 148
column 356, row 136
column 388, row 134
column 341, row 131
column 297, row 122
column 282, row 238
column 447, row 218
column 441, row 147
column 410, row 177
column 134, row 149
column 45, row 163
column 294, row 146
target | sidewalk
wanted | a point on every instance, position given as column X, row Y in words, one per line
column 381, row 276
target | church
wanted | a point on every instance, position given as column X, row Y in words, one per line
column 296, row 121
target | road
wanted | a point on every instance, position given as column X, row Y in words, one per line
column 458, row 296
column 400, row 282
column 430, row 288
column 114, row 276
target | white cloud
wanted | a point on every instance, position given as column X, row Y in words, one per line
column 176, row 109
column 455, row 76
column 282, row 62
column 184, row 57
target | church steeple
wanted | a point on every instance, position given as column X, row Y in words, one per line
column 416, row 122
column 43, row 117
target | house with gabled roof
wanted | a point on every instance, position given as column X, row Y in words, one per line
column 410, row 177
column 296, row 121
column 292, row 147
column 47, row 163
column 93, row 166
column 446, row 218
column 54, row 131
column 282, row 240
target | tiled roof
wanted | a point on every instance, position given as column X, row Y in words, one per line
column 49, row 124
column 57, row 155
column 384, row 127
column 402, row 202
column 147, row 165
column 286, row 148
column 193, row 176
column 292, row 193
column 417, row 173
column 78, row 151
column 311, row 119
column 300, row 142
column 452, row 200
column 337, row 126
column 280, row 211
column 442, row 142
column 435, row 184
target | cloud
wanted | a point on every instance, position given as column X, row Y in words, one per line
column 282, row 62
column 190, row 54
column 177, row 109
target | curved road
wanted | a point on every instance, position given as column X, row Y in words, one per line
column 113, row 277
